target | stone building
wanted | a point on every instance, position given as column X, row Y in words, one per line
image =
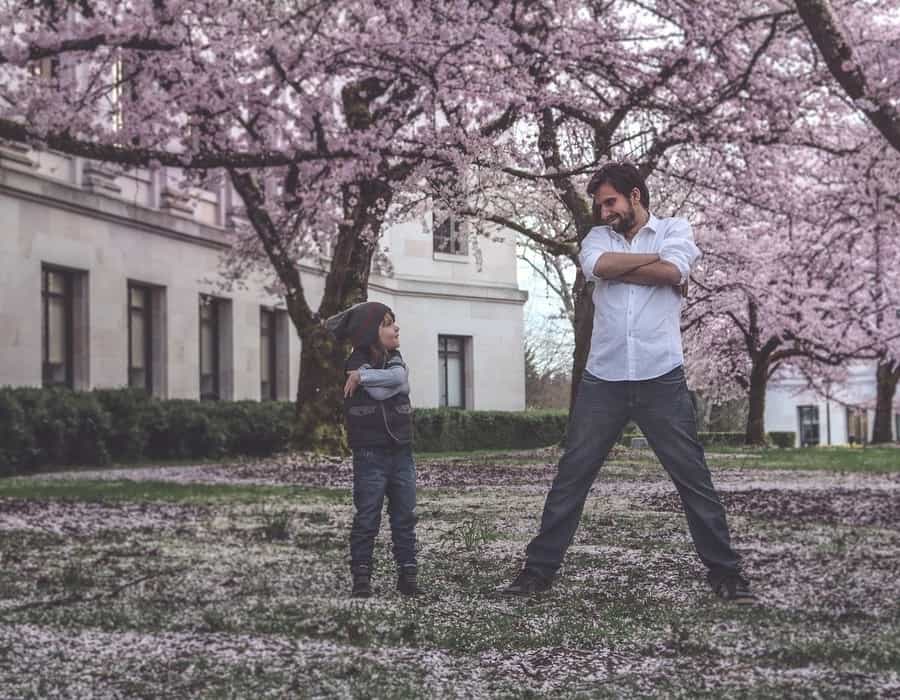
column 109, row 279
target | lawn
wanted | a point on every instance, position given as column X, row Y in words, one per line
column 230, row 581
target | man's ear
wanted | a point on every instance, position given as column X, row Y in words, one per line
column 635, row 196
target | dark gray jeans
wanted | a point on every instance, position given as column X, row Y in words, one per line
column 662, row 408
column 380, row 472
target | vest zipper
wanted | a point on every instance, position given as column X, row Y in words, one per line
column 384, row 410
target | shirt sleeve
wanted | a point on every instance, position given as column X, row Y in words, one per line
column 595, row 244
column 679, row 249
column 384, row 383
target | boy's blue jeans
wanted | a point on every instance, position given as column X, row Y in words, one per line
column 662, row 408
column 380, row 472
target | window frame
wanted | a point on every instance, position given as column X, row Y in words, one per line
column 271, row 341
column 814, row 410
column 454, row 237
column 68, row 325
column 858, row 416
column 211, row 303
column 147, row 311
column 444, row 370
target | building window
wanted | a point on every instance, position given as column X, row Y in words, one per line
column 267, row 355
column 449, row 235
column 808, row 418
column 209, row 347
column 57, row 292
column 116, row 94
column 451, row 371
column 140, row 337
column 857, row 425
column 45, row 68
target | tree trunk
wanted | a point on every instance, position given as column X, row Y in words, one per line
column 320, row 397
column 887, row 377
column 320, row 421
column 756, row 414
column 584, row 325
column 320, row 416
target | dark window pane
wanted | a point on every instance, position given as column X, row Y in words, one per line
column 809, row 425
column 209, row 348
column 56, row 327
column 451, row 371
column 138, row 340
column 56, row 330
column 56, row 282
column 137, row 377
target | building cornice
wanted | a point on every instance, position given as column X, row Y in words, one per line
column 70, row 198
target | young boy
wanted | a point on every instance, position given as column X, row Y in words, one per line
column 378, row 417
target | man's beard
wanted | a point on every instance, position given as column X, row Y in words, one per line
column 624, row 223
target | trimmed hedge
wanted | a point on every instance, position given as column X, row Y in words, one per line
column 783, row 438
column 41, row 428
column 45, row 428
column 451, row 430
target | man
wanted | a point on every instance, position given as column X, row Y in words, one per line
column 638, row 264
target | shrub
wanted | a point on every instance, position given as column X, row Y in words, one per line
column 59, row 427
column 16, row 438
column 443, row 429
column 128, row 410
column 192, row 434
column 254, row 428
column 783, row 438
column 721, row 439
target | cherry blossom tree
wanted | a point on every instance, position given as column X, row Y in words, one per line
column 790, row 273
column 332, row 119
column 317, row 113
column 865, row 69
column 861, row 53
column 664, row 79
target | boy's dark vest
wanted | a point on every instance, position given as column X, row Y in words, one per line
column 372, row 423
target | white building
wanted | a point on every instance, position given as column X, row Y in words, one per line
column 108, row 279
column 839, row 415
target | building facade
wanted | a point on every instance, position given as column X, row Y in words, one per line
column 110, row 278
column 841, row 414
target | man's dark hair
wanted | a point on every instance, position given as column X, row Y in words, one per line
column 623, row 177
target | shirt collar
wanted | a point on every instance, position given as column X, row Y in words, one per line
column 653, row 223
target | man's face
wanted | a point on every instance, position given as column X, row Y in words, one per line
column 616, row 210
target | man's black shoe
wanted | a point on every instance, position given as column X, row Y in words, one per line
column 733, row 588
column 406, row 580
column 528, row 583
column 362, row 581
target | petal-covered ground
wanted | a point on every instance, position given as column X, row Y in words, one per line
column 231, row 581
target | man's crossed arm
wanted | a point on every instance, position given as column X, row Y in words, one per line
column 638, row 268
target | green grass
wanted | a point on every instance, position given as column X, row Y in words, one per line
column 876, row 460
column 165, row 491
column 630, row 616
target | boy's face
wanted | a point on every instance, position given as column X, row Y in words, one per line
column 389, row 333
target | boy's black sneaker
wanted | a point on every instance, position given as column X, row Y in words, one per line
column 407, row 580
column 528, row 582
column 362, row 581
column 734, row 588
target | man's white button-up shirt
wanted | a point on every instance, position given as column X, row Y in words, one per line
column 637, row 328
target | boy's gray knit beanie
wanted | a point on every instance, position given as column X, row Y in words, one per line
column 359, row 324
